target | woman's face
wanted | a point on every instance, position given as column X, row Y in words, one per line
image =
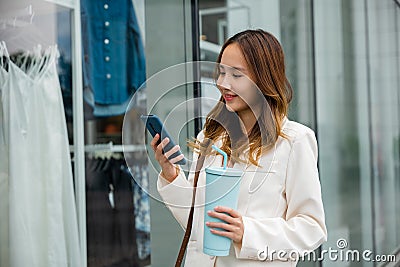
column 234, row 81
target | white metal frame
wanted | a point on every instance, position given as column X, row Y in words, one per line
column 78, row 125
column 78, row 121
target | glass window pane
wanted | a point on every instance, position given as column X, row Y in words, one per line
column 383, row 29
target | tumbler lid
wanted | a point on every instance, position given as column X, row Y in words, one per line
column 223, row 171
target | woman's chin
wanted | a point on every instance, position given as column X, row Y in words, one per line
column 229, row 108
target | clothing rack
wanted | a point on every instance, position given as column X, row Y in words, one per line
column 20, row 16
column 110, row 147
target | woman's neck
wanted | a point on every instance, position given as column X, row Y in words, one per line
column 248, row 119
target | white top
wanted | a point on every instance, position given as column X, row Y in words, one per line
column 280, row 203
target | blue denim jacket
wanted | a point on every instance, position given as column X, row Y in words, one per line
column 113, row 53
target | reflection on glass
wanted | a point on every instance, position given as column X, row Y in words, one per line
column 385, row 124
column 342, row 59
column 37, row 199
column 296, row 35
column 358, row 124
column 116, row 218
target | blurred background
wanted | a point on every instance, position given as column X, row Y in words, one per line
column 343, row 61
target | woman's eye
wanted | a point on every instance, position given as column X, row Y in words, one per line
column 222, row 73
column 237, row 75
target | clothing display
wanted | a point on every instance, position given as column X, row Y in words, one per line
column 110, row 215
column 113, row 55
column 4, row 170
column 39, row 225
column 280, row 198
column 141, row 208
column 41, row 215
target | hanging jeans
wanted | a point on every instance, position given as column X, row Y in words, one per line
column 110, row 216
column 141, row 208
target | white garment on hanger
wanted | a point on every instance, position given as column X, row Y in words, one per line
column 42, row 218
column 4, row 230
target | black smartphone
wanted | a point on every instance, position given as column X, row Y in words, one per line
column 155, row 126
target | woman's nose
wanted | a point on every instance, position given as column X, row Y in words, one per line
column 224, row 82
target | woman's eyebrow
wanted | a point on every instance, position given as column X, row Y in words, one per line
column 239, row 69
column 222, row 67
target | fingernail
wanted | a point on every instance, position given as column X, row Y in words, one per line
column 209, row 212
column 207, row 223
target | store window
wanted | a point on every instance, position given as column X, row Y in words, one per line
column 342, row 59
column 357, row 114
column 38, row 208
column 112, row 209
column 116, row 165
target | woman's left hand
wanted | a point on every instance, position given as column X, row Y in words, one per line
column 233, row 223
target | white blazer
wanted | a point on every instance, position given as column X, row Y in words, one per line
column 280, row 203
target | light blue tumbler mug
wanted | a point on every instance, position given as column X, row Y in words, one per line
column 222, row 189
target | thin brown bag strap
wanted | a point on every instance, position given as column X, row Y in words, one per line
column 188, row 231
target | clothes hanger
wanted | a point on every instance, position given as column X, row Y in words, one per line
column 2, row 59
column 5, row 57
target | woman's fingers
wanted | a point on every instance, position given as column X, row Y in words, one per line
column 154, row 142
column 231, row 225
column 168, row 167
column 176, row 159
column 232, row 231
column 164, row 157
column 221, row 225
column 159, row 156
column 162, row 144
column 228, row 210
column 172, row 151
column 235, row 237
column 222, row 216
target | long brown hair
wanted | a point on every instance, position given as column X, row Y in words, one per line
column 265, row 59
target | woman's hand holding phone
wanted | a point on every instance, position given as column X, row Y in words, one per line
column 166, row 152
column 169, row 169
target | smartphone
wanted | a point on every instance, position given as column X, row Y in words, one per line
column 155, row 126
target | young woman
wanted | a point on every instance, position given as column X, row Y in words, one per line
column 280, row 212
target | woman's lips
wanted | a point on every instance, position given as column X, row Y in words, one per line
column 229, row 97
